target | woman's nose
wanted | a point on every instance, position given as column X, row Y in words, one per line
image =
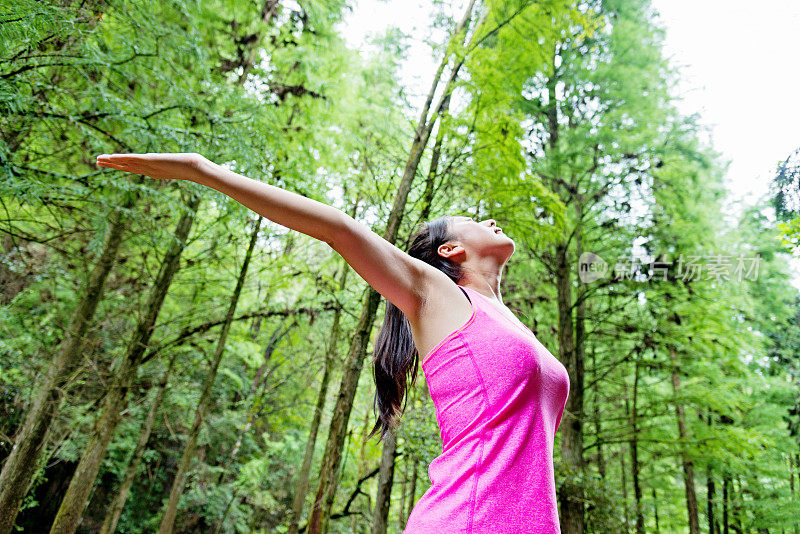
column 492, row 222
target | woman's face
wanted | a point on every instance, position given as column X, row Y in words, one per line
column 482, row 238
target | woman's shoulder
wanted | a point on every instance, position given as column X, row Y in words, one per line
column 442, row 296
column 447, row 309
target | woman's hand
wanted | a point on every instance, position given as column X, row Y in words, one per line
column 164, row 166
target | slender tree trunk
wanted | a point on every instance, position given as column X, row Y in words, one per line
column 80, row 487
column 710, row 495
column 579, row 357
column 433, row 168
column 412, row 494
column 571, row 491
column 601, row 462
column 624, row 480
column 401, row 514
column 571, row 495
column 725, row 480
column 21, row 463
column 737, row 504
column 115, row 510
column 329, row 471
column 655, row 509
column 634, row 445
column 253, row 414
column 331, row 461
column 791, row 486
column 301, row 487
column 380, row 519
column 401, row 517
column 168, row 521
column 688, row 466
column 363, row 468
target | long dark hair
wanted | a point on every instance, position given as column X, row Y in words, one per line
column 396, row 356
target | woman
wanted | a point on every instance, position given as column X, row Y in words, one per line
column 499, row 394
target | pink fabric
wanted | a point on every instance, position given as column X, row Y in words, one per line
column 499, row 396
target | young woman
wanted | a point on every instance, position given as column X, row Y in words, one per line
column 499, row 393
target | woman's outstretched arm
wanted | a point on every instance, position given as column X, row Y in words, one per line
column 394, row 274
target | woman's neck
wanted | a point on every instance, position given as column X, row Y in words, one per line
column 485, row 283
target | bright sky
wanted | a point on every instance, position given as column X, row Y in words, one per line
column 739, row 63
column 740, row 72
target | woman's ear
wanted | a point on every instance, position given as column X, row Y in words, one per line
column 452, row 251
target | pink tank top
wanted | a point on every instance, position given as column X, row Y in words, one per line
column 499, row 396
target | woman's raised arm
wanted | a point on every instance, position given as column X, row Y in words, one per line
column 394, row 274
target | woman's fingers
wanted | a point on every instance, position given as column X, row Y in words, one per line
column 162, row 156
column 119, row 166
column 156, row 165
column 118, row 158
column 113, row 162
column 108, row 164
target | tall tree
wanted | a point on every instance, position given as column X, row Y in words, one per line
column 69, row 115
column 686, row 462
column 21, row 463
column 329, row 471
column 380, row 517
column 118, row 504
column 171, row 509
column 80, row 487
column 591, row 143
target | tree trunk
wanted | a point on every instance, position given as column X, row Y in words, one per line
column 115, row 510
column 738, row 498
column 601, row 462
column 571, row 491
column 380, row 519
column 274, row 339
column 412, row 494
column 253, row 414
column 301, row 488
column 688, row 466
column 624, row 480
column 655, row 509
column 341, row 415
column 791, row 485
column 329, row 471
column 22, row 461
column 305, row 469
column 634, row 444
column 571, row 495
column 725, row 480
column 713, row 528
column 363, row 468
column 710, row 490
column 80, row 487
column 401, row 514
column 433, row 167
column 168, row 521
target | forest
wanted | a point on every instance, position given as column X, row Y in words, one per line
column 170, row 361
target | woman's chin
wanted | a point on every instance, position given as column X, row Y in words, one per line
column 509, row 248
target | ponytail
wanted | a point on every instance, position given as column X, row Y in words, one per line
column 396, row 357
